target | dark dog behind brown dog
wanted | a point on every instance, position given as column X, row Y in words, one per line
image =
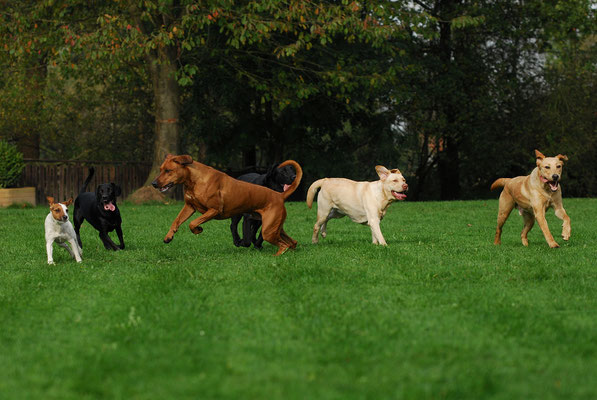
column 218, row 196
column 278, row 179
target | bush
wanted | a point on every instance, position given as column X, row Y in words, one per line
column 11, row 165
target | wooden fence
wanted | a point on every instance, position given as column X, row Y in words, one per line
column 63, row 179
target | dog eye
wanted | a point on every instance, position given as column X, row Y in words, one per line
column 559, row 166
column 547, row 167
column 167, row 171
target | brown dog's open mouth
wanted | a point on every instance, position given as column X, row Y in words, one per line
column 165, row 188
column 398, row 195
column 553, row 185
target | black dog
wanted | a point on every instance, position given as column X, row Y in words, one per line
column 100, row 210
column 277, row 179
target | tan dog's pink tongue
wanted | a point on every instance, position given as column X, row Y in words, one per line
column 543, row 179
column 109, row 207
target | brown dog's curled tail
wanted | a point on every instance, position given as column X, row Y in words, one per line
column 297, row 179
column 499, row 183
column 312, row 190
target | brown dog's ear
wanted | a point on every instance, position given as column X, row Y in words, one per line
column 183, row 160
column 68, row 202
column 539, row 155
column 562, row 157
column 382, row 172
column 50, row 200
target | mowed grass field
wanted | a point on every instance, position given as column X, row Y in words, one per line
column 439, row 313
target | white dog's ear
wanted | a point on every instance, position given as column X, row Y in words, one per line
column 382, row 172
column 562, row 157
column 50, row 200
column 539, row 156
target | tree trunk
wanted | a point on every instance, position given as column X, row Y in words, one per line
column 162, row 68
column 448, row 157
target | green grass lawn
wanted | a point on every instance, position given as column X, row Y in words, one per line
column 440, row 313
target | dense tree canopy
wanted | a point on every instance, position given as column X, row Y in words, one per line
column 454, row 93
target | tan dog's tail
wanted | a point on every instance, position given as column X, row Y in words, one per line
column 499, row 183
column 312, row 190
column 297, row 179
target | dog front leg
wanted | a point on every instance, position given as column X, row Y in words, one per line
column 49, row 250
column 75, row 251
column 540, row 218
column 234, row 229
column 194, row 224
column 377, row 237
column 561, row 214
column 183, row 215
column 108, row 243
column 120, row 237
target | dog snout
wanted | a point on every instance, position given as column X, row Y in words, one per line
column 555, row 177
column 405, row 187
column 65, row 218
column 155, row 183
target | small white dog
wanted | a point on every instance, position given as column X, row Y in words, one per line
column 60, row 230
column 363, row 202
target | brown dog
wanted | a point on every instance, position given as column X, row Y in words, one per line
column 533, row 195
column 218, row 196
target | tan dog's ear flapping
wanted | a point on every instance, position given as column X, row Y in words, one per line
column 539, row 155
column 183, row 160
column 50, row 200
column 562, row 157
column 395, row 171
column 382, row 172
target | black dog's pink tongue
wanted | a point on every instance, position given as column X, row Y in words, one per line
column 109, row 207
column 286, row 187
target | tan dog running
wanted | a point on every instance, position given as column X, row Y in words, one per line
column 533, row 195
column 363, row 202
column 218, row 196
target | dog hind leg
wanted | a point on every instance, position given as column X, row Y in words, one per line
column 506, row 205
column 529, row 221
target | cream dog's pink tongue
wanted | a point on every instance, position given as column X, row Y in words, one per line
column 109, row 207
column 399, row 196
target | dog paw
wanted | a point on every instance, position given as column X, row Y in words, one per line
column 197, row 230
column 51, row 262
column 554, row 245
column 168, row 239
column 566, row 237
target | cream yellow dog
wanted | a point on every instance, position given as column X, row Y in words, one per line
column 363, row 202
column 533, row 195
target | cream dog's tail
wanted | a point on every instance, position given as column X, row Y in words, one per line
column 499, row 183
column 312, row 190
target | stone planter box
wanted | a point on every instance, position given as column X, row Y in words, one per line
column 17, row 195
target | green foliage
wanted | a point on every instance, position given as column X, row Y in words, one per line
column 440, row 313
column 11, row 165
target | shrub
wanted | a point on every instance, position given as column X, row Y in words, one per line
column 11, row 165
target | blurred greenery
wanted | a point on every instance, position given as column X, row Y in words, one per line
column 454, row 93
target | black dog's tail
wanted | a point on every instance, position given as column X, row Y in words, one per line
column 84, row 187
